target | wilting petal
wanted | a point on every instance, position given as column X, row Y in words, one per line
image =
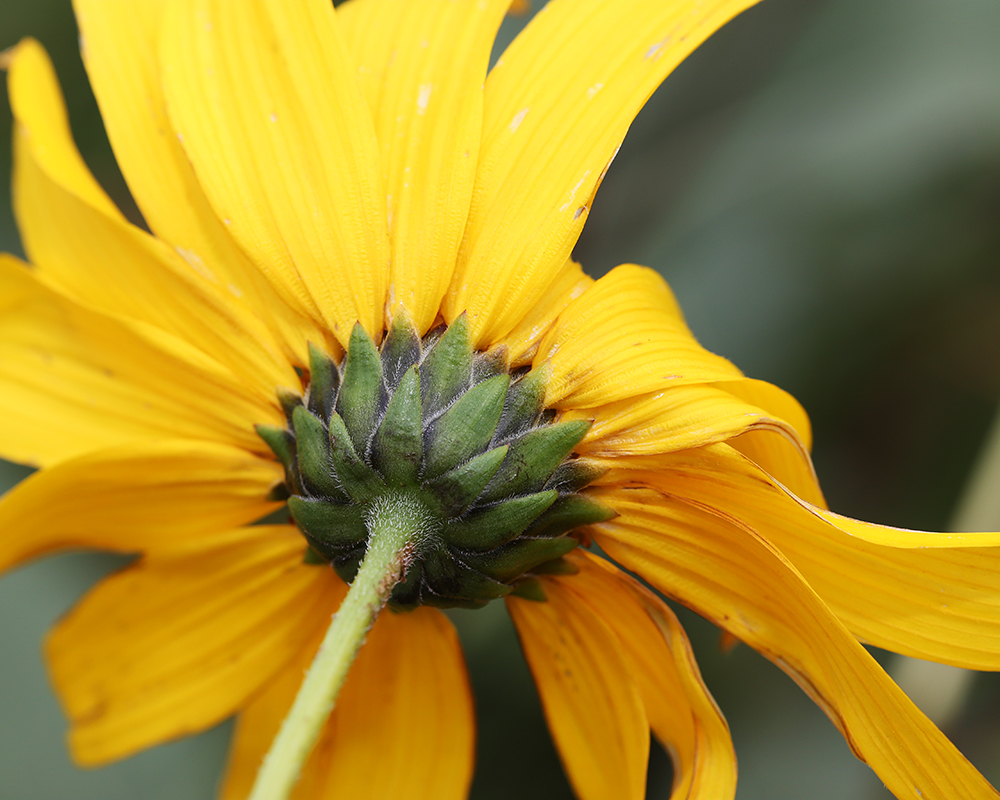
column 182, row 639
column 76, row 380
column 775, row 401
column 782, row 453
column 94, row 255
column 402, row 725
column 634, row 432
column 738, row 580
column 622, row 338
column 783, row 457
column 558, row 104
column 930, row 595
column 134, row 497
column 681, row 712
column 264, row 97
column 421, row 65
column 593, row 708
column 677, row 418
column 119, row 45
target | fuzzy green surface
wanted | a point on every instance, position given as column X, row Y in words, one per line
column 451, row 432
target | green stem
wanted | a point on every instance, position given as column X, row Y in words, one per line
column 395, row 527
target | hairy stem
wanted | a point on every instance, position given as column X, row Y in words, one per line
column 395, row 527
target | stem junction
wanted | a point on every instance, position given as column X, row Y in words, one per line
column 397, row 524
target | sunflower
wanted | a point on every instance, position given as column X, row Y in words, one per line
column 357, row 294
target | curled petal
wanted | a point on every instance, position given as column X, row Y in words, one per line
column 783, row 457
column 677, row 418
column 681, row 712
column 736, row 578
column 776, row 401
column 930, row 595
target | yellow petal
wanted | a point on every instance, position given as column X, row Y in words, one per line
column 264, row 98
column 76, row 380
column 182, row 639
column 622, row 338
column 97, row 257
column 558, row 104
column 694, row 415
column 739, row 581
column 134, row 497
column 776, row 401
column 119, row 45
column 258, row 723
column 30, row 83
column 593, row 708
column 421, row 65
column 402, row 725
column 785, row 459
column 681, row 711
column 930, row 595
column 522, row 342
column 677, row 418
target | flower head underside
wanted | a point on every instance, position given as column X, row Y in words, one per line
column 357, row 288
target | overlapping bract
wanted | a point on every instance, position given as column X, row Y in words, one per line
column 303, row 171
column 434, row 424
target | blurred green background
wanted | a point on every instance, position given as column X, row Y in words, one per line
column 820, row 183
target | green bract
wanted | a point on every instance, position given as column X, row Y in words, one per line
column 432, row 422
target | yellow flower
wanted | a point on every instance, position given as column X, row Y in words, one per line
column 303, row 170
